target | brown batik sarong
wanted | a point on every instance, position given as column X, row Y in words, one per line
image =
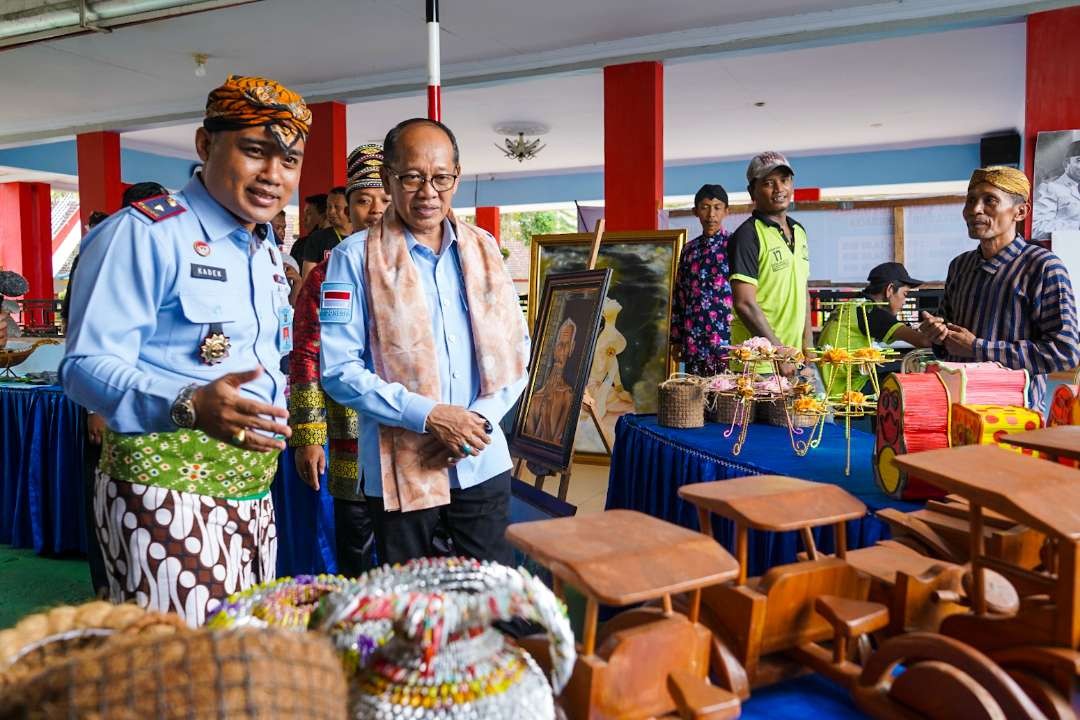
column 174, row 551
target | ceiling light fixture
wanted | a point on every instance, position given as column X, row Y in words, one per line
column 519, row 148
column 200, row 64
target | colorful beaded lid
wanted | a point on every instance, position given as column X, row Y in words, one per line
column 444, row 659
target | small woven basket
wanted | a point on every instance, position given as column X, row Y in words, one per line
column 803, row 420
column 42, row 639
column 771, row 412
column 720, row 408
column 246, row 674
column 680, row 403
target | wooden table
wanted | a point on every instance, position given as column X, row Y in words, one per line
column 621, row 557
column 774, row 503
column 1058, row 442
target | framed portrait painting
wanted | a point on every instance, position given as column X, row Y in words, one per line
column 633, row 353
column 1056, row 204
column 564, row 339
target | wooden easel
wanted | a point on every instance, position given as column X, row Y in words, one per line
column 541, row 471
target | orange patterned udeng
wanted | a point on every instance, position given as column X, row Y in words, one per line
column 256, row 101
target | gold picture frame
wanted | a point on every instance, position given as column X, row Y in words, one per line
column 634, row 355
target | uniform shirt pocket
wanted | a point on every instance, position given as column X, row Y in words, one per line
column 207, row 308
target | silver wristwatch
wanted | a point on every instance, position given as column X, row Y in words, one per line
column 183, row 408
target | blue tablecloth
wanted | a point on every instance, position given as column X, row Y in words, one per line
column 42, row 435
column 650, row 463
column 41, row 486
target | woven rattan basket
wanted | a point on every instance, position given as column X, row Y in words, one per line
column 803, row 420
column 720, row 408
column 41, row 639
column 680, row 403
column 771, row 412
column 245, row 674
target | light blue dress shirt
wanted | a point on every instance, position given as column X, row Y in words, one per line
column 347, row 361
column 145, row 296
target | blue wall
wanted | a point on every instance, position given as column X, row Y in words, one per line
column 136, row 166
column 881, row 167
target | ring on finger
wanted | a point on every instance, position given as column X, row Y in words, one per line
column 239, row 437
column 466, row 448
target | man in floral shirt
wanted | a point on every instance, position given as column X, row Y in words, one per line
column 701, row 310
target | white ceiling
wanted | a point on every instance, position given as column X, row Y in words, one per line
column 922, row 89
column 517, row 60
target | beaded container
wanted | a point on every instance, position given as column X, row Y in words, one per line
column 417, row 640
column 444, row 659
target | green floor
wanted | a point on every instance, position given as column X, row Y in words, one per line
column 29, row 583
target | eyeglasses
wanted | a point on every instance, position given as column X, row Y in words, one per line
column 414, row 181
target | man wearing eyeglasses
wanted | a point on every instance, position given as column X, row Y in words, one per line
column 423, row 337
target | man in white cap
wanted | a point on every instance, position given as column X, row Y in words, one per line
column 770, row 261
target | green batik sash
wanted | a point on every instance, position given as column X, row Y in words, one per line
column 189, row 461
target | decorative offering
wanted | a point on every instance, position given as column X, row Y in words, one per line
column 735, row 396
column 849, row 365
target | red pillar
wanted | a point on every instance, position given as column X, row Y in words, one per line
column 1053, row 78
column 100, row 186
column 488, row 218
column 325, row 152
column 633, row 145
column 26, row 235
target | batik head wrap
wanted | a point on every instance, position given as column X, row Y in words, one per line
column 362, row 168
column 1004, row 178
column 244, row 102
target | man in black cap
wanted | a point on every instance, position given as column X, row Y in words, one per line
column 1057, row 201
column 887, row 283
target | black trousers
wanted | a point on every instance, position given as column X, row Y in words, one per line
column 94, row 557
column 354, row 537
column 475, row 520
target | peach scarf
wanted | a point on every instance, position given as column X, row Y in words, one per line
column 403, row 346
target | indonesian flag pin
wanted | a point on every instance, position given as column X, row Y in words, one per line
column 202, row 248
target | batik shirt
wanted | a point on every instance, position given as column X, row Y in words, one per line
column 701, row 311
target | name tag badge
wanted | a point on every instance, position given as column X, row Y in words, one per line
column 336, row 302
column 208, row 272
column 285, row 329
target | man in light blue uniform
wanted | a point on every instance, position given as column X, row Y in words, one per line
column 432, row 287
column 177, row 329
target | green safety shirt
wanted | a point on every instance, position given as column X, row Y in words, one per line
column 855, row 331
column 762, row 257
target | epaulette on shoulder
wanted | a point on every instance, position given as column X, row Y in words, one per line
column 159, row 207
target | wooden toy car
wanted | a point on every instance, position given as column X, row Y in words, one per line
column 644, row 662
column 762, row 624
column 1038, row 648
